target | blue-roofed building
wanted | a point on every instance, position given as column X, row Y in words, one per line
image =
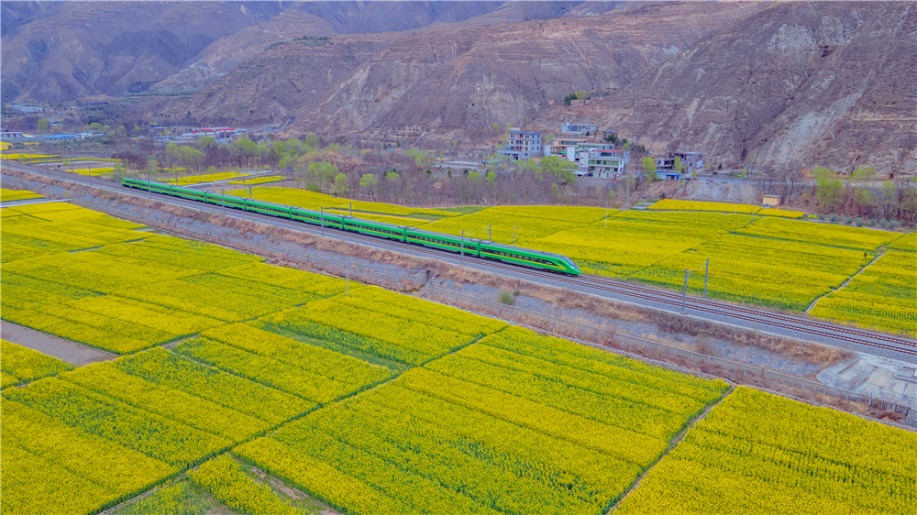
column 61, row 137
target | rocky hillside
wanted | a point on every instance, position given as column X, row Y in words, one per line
column 773, row 86
column 67, row 50
column 796, row 84
column 451, row 81
column 57, row 51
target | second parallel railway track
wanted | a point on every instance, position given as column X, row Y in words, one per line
column 825, row 331
column 747, row 317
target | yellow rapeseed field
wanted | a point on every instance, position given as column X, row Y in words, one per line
column 883, row 296
column 228, row 481
column 201, row 178
column 9, row 195
column 21, row 364
column 51, row 463
column 377, row 402
column 756, row 452
column 92, row 170
column 515, row 423
column 769, row 257
column 781, row 213
column 696, row 205
column 341, row 206
column 258, row 180
column 20, row 156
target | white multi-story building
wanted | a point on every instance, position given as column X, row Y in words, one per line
column 604, row 163
column 523, row 144
column 567, row 152
column 584, row 147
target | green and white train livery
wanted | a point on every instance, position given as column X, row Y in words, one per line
column 472, row 247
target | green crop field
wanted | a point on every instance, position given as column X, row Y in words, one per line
column 250, row 388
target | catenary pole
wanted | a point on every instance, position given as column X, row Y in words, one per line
column 706, row 276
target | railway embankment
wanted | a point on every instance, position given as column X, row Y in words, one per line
column 804, row 370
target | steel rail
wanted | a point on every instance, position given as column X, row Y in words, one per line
column 728, row 311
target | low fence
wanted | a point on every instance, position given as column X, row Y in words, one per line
column 675, row 357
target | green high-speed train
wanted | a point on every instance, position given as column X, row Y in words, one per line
column 472, row 247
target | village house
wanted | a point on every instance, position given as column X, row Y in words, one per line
column 583, row 129
column 583, row 148
column 691, row 161
column 604, row 163
column 523, row 145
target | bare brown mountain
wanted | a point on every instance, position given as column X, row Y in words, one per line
column 58, row 51
column 768, row 85
column 450, row 81
column 772, row 85
column 802, row 84
column 74, row 49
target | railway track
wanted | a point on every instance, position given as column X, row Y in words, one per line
column 816, row 328
column 739, row 315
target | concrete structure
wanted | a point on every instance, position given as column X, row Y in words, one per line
column 27, row 108
column 770, row 200
column 568, row 141
column 565, row 146
column 691, row 161
column 218, row 133
column 585, row 129
column 667, row 175
column 604, row 163
column 565, row 151
column 73, row 136
column 574, row 149
column 584, row 147
column 523, row 144
column 664, row 164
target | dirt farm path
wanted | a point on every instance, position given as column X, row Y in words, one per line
column 74, row 353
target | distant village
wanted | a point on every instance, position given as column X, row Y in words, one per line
column 596, row 154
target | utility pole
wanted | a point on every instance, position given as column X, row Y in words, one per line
column 249, row 192
column 463, row 246
column 706, row 276
column 490, row 233
column 351, row 210
column 514, row 234
column 684, row 292
column 322, row 208
column 606, row 211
